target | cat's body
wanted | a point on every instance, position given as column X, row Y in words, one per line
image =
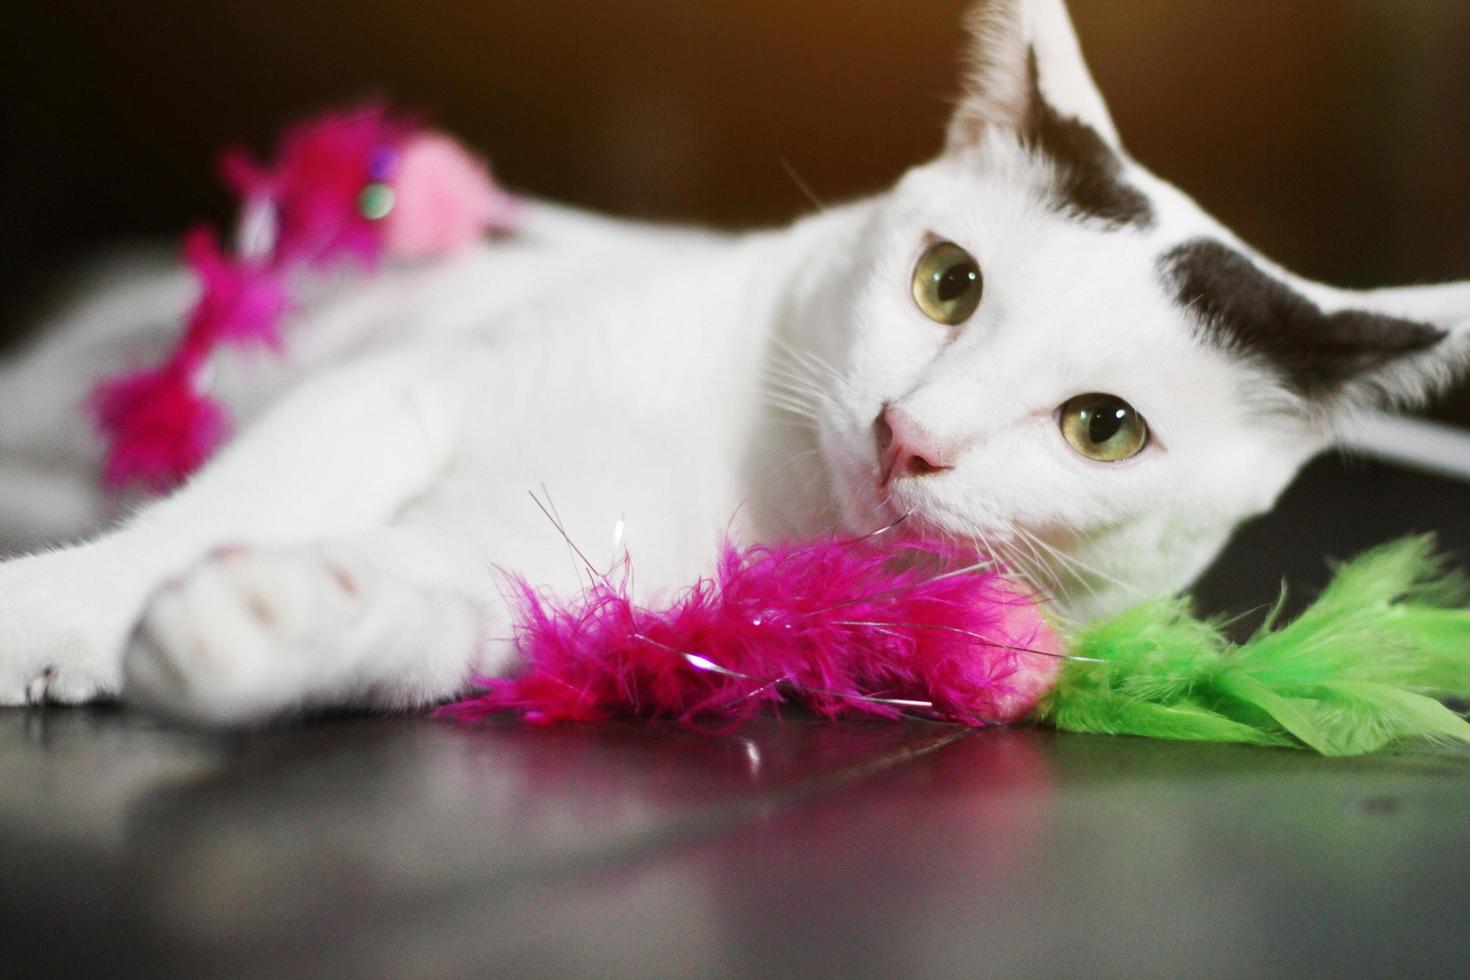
column 678, row 385
column 461, row 408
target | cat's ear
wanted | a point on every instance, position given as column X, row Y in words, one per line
column 1333, row 348
column 1024, row 60
column 1433, row 324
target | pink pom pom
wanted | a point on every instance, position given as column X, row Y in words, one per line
column 158, row 427
column 846, row 627
column 444, row 200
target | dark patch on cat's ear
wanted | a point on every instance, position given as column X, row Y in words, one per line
column 1240, row 308
column 1089, row 171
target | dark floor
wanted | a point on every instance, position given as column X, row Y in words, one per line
column 412, row 847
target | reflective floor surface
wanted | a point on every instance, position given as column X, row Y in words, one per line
column 409, row 847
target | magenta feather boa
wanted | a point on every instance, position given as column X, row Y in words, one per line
column 847, row 628
column 346, row 188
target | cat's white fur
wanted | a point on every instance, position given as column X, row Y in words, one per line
column 342, row 550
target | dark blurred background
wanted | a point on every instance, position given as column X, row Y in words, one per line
column 1333, row 134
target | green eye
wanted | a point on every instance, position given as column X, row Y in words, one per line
column 1104, row 428
column 948, row 284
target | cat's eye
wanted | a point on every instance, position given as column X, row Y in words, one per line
column 1104, row 428
column 948, row 284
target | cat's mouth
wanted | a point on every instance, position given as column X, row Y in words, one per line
column 868, row 501
column 1040, row 556
column 913, row 506
column 1031, row 555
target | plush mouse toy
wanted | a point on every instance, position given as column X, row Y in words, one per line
column 351, row 187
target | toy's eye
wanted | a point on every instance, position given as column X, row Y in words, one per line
column 1104, row 428
column 948, row 284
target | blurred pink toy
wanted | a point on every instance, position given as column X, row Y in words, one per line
column 355, row 187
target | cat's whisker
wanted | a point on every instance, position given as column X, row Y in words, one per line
column 1036, row 574
column 1057, row 571
column 817, row 369
column 802, row 186
column 813, row 359
column 996, row 554
column 976, row 534
column 792, row 372
column 790, row 400
column 1041, row 565
column 784, row 346
column 1040, row 569
column 798, row 396
column 777, row 372
column 891, row 526
column 810, row 363
column 1033, row 571
column 549, row 511
column 791, row 392
column 805, row 387
column 1082, row 566
column 796, row 415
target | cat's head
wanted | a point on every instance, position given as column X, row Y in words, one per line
column 1042, row 347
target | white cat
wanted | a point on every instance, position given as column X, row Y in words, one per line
column 1030, row 343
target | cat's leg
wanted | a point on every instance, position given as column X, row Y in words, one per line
column 393, row 618
column 342, row 454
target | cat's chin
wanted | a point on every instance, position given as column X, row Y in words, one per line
column 864, row 508
column 870, row 510
column 867, row 506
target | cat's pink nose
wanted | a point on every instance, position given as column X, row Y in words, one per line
column 905, row 448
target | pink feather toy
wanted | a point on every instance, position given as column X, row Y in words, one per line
column 346, row 188
column 845, row 627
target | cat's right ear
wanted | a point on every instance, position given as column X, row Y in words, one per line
column 1024, row 59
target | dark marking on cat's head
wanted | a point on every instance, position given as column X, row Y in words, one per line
column 1240, row 308
column 1089, row 171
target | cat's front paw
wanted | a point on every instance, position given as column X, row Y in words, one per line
column 241, row 637
column 62, row 622
column 57, row 678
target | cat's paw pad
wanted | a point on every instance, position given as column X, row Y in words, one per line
column 240, row 636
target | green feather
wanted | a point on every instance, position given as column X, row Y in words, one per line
column 1361, row 669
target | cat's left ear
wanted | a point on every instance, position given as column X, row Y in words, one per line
column 1433, row 326
column 1024, row 60
column 1333, row 348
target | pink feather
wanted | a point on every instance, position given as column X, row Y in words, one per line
column 240, row 302
column 158, row 427
column 845, row 626
column 318, row 176
column 347, row 186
